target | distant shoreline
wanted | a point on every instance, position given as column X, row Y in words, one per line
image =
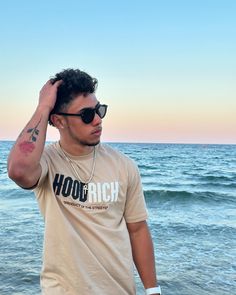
column 130, row 142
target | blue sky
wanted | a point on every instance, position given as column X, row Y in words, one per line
column 166, row 68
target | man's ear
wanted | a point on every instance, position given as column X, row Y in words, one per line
column 58, row 121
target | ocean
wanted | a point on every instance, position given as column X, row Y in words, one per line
column 190, row 192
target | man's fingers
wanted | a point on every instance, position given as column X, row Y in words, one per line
column 58, row 83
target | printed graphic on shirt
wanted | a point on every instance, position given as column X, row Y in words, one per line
column 99, row 192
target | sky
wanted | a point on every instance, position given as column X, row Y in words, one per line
column 166, row 69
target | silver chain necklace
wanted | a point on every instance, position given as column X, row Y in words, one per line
column 85, row 183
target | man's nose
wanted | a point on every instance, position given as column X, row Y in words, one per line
column 97, row 120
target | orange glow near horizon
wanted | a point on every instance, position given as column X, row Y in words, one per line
column 144, row 124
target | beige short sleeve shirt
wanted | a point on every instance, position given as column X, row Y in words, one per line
column 86, row 244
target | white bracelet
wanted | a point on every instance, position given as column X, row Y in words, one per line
column 155, row 290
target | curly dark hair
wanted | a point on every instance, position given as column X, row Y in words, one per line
column 75, row 82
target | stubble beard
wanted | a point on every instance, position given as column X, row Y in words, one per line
column 89, row 143
column 82, row 142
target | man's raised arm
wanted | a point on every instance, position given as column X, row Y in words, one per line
column 24, row 158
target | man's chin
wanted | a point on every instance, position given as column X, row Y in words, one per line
column 93, row 143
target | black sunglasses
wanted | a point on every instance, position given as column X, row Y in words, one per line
column 87, row 114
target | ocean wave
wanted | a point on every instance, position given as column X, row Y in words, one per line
column 175, row 195
column 186, row 196
column 217, row 178
column 10, row 192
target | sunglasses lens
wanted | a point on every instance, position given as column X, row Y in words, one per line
column 88, row 116
column 102, row 111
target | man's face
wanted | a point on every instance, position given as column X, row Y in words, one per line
column 78, row 131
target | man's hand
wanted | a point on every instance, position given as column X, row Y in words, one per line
column 48, row 94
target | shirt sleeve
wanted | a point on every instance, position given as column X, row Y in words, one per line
column 135, row 208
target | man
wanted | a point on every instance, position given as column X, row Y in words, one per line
column 89, row 195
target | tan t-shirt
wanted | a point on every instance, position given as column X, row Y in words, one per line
column 86, row 244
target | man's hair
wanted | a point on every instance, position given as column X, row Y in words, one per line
column 75, row 82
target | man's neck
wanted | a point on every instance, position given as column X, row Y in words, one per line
column 75, row 149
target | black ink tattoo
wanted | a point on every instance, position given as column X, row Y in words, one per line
column 27, row 146
column 34, row 132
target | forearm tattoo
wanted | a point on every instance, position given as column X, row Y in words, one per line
column 27, row 146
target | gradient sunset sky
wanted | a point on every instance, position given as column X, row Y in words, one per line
column 166, row 69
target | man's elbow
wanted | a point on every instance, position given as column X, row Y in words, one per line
column 17, row 174
column 21, row 175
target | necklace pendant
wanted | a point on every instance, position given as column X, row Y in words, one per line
column 85, row 189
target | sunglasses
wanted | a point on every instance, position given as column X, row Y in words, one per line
column 87, row 114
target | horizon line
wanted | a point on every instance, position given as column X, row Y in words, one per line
column 145, row 142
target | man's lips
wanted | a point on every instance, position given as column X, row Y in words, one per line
column 97, row 131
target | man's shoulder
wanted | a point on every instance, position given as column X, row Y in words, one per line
column 50, row 149
column 112, row 151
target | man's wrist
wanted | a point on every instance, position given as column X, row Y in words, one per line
column 44, row 108
column 155, row 290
